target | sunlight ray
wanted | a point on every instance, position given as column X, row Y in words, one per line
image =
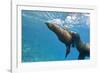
column 45, row 15
column 49, row 15
column 53, row 16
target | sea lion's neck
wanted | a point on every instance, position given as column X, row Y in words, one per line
column 58, row 30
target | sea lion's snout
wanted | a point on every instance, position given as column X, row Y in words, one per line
column 50, row 25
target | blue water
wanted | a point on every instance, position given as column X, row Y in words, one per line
column 41, row 44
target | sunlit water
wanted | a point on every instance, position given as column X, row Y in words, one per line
column 41, row 44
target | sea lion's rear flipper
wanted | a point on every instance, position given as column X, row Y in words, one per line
column 81, row 56
column 67, row 51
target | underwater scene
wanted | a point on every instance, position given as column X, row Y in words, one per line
column 55, row 36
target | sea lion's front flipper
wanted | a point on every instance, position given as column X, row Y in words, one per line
column 73, row 45
column 73, row 34
column 67, row 51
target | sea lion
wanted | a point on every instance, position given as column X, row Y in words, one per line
column 63, row 35
column 70, row 38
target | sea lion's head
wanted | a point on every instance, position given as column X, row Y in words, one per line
column 56, row 26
